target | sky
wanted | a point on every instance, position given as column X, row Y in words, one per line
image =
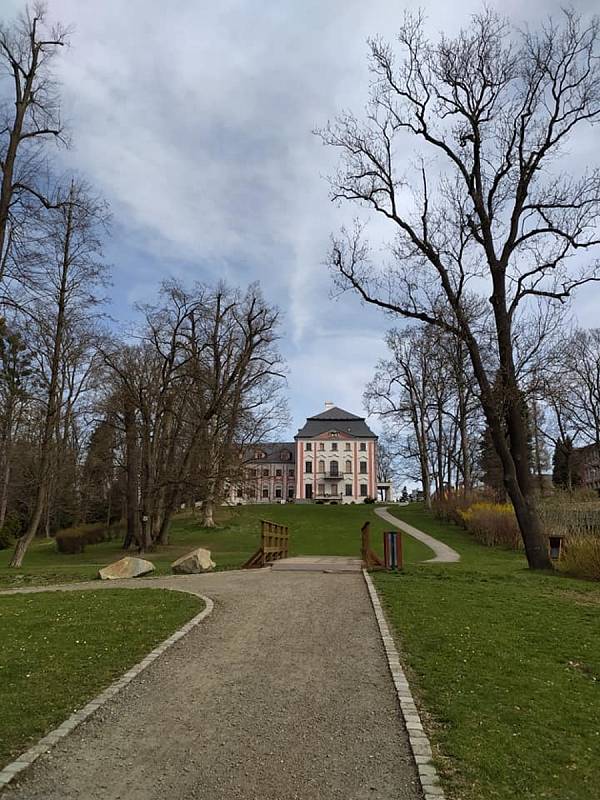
column 194, row 120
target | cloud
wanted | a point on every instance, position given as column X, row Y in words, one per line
column 194, row 120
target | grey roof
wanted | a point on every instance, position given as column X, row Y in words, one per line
column 273, row 452
column 335, row 413
column 336, row 419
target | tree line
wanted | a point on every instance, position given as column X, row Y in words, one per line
column 95, row 424
column 434, row 427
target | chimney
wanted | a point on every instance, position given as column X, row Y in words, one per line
column 328, row 405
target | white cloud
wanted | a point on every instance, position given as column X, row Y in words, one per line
column 194, row 120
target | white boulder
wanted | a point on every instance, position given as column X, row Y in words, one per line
column 128, row 567
column 197, row 561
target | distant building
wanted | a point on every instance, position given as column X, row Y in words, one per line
column 333, row 459
column 588, row 465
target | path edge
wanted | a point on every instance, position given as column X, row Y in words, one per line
column 26, row 759
column 419, row 741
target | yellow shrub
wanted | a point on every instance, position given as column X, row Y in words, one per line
column 493, row 524
column 581, row 557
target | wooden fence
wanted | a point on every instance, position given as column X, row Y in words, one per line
column 274, row 544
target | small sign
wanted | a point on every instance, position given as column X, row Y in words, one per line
column 392, row 549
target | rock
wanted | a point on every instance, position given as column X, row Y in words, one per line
column 127, row 567
column 197, row 561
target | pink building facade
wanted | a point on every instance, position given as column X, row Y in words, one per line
column 333, row 459
column 336, row 458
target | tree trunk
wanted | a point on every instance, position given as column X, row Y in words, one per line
column 208, row 507
column 4, row 483
column 513, row 454
column 132, row 477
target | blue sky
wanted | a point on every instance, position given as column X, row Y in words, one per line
column 194, row 121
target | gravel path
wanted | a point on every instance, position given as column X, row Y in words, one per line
column 283, row 693
column 443, row 553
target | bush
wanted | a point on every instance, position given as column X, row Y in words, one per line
column 369, row 500
column 74, row 540
column 9, row 531
column 493, row 524
column 581, row 557
column 450, row 507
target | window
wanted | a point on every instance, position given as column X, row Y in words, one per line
column 321, row 445
column 347, row 446
column 286, row 455
column 363, row 489
column 363, row 467
column 259, row 454
column 363, row 446
column 308, row 446
column 252, row 494
column 333, row 468
column 348, row 490
column 278, row 491
column 265, row 473
column 321, row 489
column 308, row 466
column 334, row 445
column 252, row 473
column 334, row 489
column 265, row 494
column 291, row 493
column 348, row 466
column 291, row 473
column 308, row 491
column 278, row 473
column 321, row 466
column 239, row 494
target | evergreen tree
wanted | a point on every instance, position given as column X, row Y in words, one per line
column 564, row 465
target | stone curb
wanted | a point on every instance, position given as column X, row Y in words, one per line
column 419, row 742
column 26, row 759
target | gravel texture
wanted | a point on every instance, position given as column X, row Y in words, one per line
column 284, row 692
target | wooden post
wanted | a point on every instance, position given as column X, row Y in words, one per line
column 370, row 559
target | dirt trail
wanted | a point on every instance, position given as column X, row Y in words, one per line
column 283, row 693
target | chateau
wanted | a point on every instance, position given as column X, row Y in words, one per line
column 333, row 459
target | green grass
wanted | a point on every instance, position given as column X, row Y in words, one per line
column 506, row 666
column 314, row 530
column 60, row 649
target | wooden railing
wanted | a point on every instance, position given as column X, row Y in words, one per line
column 369, row 557
column 274, row 544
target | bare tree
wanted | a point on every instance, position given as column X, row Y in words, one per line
column 29, row 117
column 491, row 111
column 62, row 315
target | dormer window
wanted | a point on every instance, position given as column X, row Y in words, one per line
column 285, row 455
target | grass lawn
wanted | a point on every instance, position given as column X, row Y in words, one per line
column 314, row 530
column 60, row 649
column 506, row 665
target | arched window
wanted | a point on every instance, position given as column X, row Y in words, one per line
column 321, row 466
column 348, row 466
column 363, row 467
column 334, row 467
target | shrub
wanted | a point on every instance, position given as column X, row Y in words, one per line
column 369, row 500
column 9, row 531
column 450, row 507
column 74, row 540
column 581, row 557
column 493, row 524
